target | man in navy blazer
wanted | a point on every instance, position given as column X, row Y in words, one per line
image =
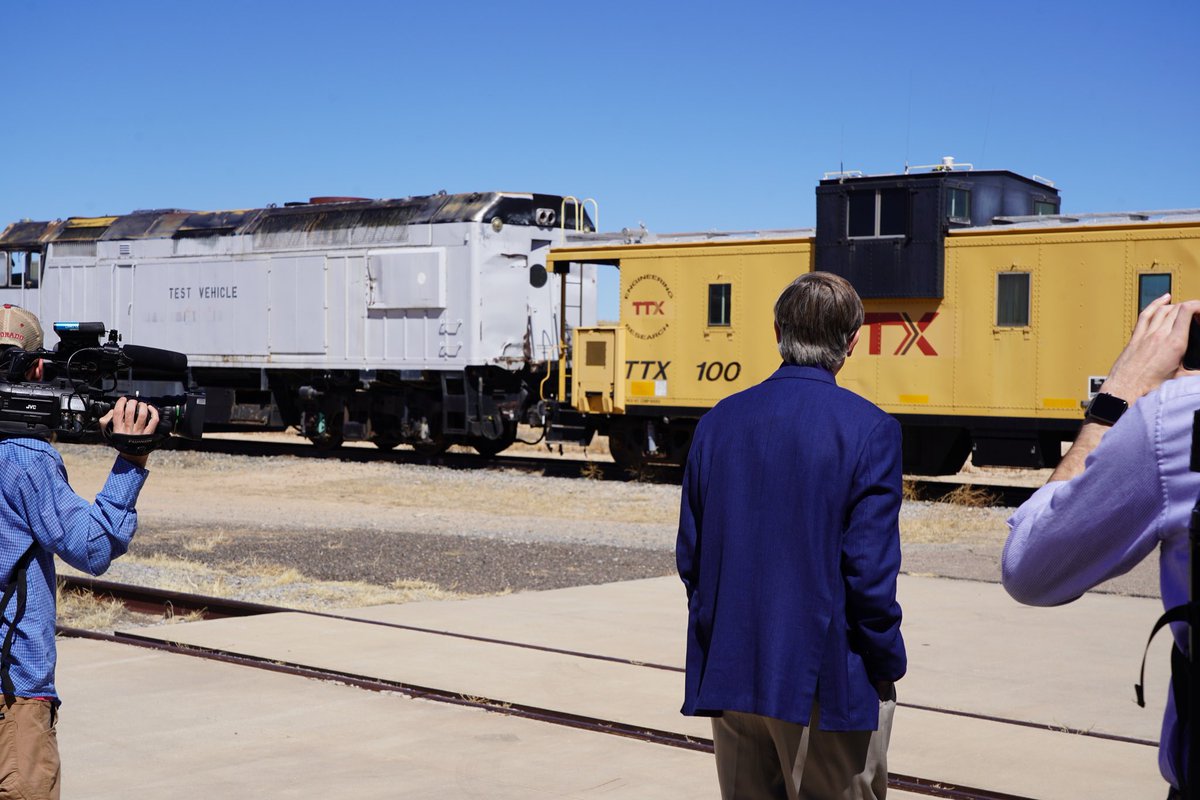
column 789, row 547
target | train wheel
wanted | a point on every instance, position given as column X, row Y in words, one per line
column 930, row 450
column 433, row 447
column 493, row 447
column 329, row 440
column 625, row 448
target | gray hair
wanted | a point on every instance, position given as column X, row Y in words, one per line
column 817, row 314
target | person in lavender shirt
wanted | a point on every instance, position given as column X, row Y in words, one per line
column 1122, row 490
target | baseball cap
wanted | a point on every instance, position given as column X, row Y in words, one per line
column 19, row 328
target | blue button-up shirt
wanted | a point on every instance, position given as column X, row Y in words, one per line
column 1136, row 493
column 40, row 506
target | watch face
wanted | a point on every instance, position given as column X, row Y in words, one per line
column 1106, row 408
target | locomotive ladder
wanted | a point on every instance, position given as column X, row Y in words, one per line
column 571, row 279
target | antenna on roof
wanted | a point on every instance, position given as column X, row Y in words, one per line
column 908, row 124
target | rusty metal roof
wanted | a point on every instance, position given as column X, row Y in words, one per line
column 27, row 234
column 319, row 214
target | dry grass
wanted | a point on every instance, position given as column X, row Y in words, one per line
column 85, row 610
column 592, row 471
column 264, row 582
column 910, row 492
column 945, row 523
column 971, row 497
column 172, row 618
column 207, row 544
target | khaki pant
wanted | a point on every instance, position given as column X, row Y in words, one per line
column 29, row 766
column 759, row 758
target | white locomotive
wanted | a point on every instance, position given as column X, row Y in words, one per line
column 428, row 320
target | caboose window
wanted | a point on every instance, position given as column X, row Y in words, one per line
column 1012, row 300
column 871, row 214
column 958, row 204
column 893, row 212
column 1152, row 286
column 1044, row 207
column 861, row 214
column 720, row 296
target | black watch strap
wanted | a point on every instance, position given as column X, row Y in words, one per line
column 1106, row 409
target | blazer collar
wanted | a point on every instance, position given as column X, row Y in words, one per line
column 787, row 370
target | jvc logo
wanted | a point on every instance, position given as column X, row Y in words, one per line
column 914, row 332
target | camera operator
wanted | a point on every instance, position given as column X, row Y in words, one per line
column 1123, row 489
column 41, row 517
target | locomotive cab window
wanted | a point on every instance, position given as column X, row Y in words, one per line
column 876, row 214
column 22, row 268
column 720, row 296
column 1152, row 286
column 1012, row 300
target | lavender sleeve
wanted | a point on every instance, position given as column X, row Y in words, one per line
column 1073, row 535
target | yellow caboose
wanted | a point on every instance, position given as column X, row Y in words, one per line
column 990, row 318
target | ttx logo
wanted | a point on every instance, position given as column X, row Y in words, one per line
column 914, row 332
column 648, row 308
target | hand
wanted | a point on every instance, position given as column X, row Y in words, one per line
column 1152, row 356
column 1154, row 350
column 133, row 417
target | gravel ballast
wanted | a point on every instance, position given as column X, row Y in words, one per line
column 465, row 532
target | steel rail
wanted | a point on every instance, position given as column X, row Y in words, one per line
column 139, row 598
column 930, row 489
column 909, row 783
column 548, row 467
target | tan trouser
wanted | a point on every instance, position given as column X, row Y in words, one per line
column 29, row 766
column 759, row 758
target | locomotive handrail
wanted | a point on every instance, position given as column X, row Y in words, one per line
column 580, row 205
column 562, row 211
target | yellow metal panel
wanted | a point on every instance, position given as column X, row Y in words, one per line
column 1083, row 306
column 915, row 356
column 596, row 385
column 90, row 222
column 664, row 310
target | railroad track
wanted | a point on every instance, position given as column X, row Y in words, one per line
column 148, row 600
column 932, row 489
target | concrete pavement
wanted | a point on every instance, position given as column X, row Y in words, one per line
column 144, row 724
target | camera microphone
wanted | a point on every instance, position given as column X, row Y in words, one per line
column 156, row 359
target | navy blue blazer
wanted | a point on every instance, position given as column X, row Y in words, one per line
column 789, row 546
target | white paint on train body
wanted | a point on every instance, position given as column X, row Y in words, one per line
column 463, row 300
column 443, row 309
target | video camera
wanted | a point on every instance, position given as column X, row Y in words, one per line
column 82, row 379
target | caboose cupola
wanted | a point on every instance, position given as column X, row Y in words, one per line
column 885, row 233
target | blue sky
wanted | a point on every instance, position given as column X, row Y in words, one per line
column 684, row 116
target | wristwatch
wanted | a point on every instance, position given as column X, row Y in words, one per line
column 1105, row 409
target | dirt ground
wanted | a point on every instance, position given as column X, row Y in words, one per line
column 312, row 532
